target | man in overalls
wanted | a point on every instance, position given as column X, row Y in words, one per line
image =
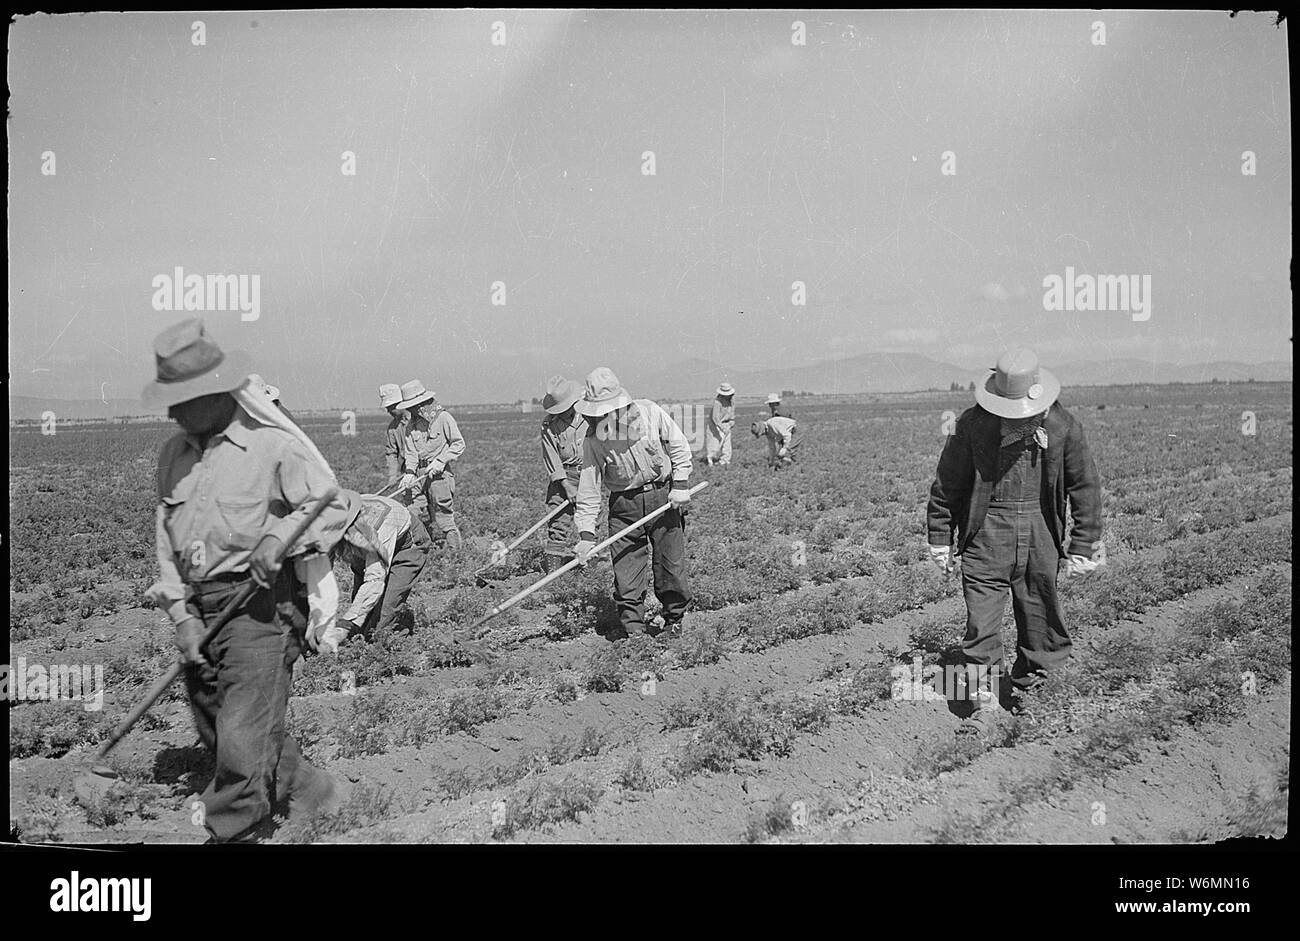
column 1003, row 482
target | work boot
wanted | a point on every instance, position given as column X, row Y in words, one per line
column 988, row 718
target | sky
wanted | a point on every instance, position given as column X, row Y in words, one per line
column 522, row 161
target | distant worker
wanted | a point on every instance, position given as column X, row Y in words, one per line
column 637, row 452
column 722, row 418
column 563, row 431
column 386, row 546
column 390, row 395
column 782, row 436
column 1007, row 472
column 774, row 405
column 433, row 443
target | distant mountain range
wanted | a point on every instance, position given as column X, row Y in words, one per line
column 693, row 379
column 912, row 372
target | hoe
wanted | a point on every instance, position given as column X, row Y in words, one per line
column 100, row 778
column 571, row 564
column 499, row 555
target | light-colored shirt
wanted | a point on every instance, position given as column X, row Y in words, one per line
column 650, row 448
column 562, row 445
column 216, row 503
column 722, row 417
column 432, row 444
column 373, row 559
column 395, row 447
column 779, row 432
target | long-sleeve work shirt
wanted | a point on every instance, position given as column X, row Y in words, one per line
column 648, row 448
column 217, row 502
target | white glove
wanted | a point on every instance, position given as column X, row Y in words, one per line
column 1081, row 565
column 583, row 549
column 680, row 499
column 784, row 452
column 407, row 482
column 328, row 640
column 436, row 468
column 942, row 556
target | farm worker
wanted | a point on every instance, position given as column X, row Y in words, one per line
column 232, row 486
column 563, row 431
column 390, row 394
column 386, row 546
column 782, row 436
column 637, row 452
column 722, row 418
column 433, row 443
column 773, row 405
column 1005, row 476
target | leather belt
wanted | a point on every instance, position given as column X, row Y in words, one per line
column 657, row 485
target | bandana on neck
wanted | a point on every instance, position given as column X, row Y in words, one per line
column 1015, row 431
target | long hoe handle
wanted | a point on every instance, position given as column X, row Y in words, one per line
column 531, row 529
column 573, row 563
column 235, row 603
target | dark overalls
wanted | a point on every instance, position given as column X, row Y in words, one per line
column 1014, row 549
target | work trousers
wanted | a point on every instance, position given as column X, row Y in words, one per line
column 438, row 492
column 559, row 530
column 239, row 700
column 661, row 543
column 409, row 558
column 717, row 445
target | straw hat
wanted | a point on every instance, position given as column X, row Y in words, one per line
column 1017, row 387
column 726, row 390
column 189, row 365
column 604, row 394
column 773, row 399
column 390, row 393
column 413, row 394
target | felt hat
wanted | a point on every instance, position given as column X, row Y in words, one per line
column 1017, row 387
column 390, row 393
column 190, row 365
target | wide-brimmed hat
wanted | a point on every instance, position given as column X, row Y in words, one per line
column 413, row 394
column 773, row 399
column 604, row 393
column 561, row 394
column 190, row 365
column 390, row 393
column 725, row 389
column 1018, row 387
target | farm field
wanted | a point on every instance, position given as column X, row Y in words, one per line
column 777, row 716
